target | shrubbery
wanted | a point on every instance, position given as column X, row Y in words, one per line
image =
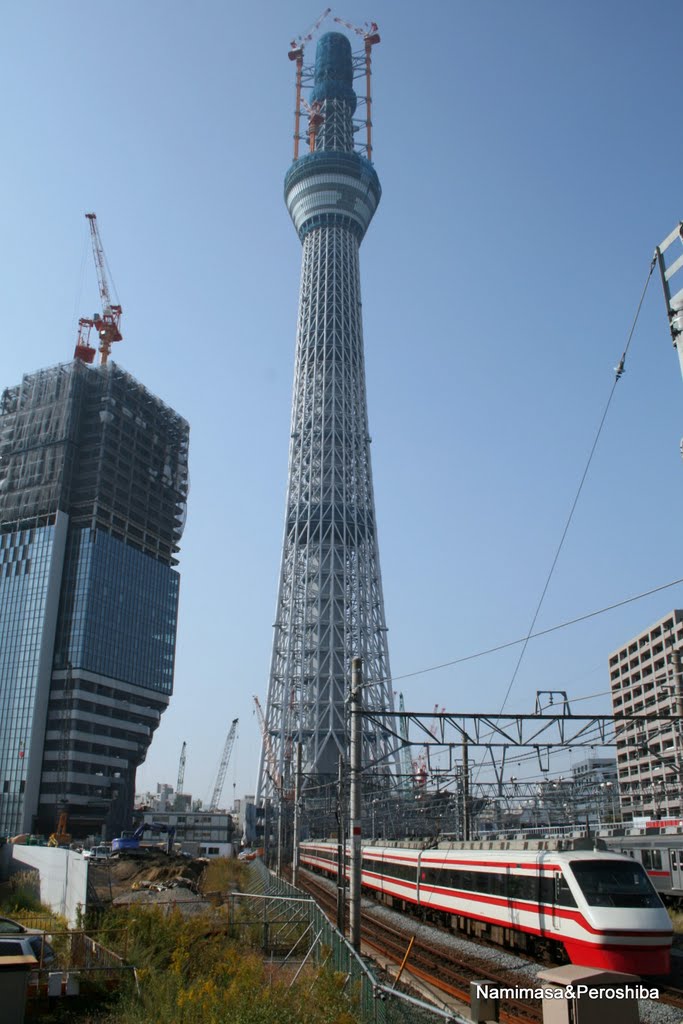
column 188, row 975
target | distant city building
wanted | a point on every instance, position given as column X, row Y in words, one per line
column 199, row 829
column 645, row 678
column 93, row 489
column 595, row 790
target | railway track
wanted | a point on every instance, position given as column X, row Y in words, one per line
column 435, row 965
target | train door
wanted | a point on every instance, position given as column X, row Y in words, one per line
column 562, row 898
column 676, row 867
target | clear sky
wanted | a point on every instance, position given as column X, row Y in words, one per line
column 530, row 155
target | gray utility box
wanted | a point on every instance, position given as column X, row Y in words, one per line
column 601, row 1006
column 14, row 971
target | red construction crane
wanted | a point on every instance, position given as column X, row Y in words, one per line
column 370, row 36
column 296, row 52
column 106, row 323
column 315, row 119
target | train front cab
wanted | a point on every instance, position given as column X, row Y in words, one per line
column 624, row 923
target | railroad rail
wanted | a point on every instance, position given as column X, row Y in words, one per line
column 435, row 965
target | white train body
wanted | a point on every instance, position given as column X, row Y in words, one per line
column 599, row 907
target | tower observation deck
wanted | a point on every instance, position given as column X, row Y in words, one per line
column 330, row 607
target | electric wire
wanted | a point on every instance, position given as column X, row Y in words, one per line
column 541, row 632
column 617, row 377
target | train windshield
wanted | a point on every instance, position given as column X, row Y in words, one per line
column 608, row 883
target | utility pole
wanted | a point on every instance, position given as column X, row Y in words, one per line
column 355, row 801
column 341, row 851
column 465, row 791
column 280, row 825
column 297, row 812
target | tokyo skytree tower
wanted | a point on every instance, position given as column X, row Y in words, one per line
column 330, row 607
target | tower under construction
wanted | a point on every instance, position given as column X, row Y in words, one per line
column 93, row 485
column 330, row 607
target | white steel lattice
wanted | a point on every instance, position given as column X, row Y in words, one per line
column 330, row 605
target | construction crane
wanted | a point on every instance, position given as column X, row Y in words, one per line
column 370, row 36
column 107, row 323
column 315, row 119
column 404, row 751
column 223, row 766
column 181, row 770
column 267, row 746
column 296, row 52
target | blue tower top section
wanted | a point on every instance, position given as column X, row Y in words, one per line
column 333, row 185
column 333, row 78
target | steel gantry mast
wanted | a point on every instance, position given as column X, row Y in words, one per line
column 330, row 606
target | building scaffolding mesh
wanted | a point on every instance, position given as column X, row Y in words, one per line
column 94, row 443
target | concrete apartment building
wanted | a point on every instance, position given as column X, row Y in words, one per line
column 645, row 678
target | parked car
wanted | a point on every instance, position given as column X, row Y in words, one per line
column 102, row 852
column 28, row 944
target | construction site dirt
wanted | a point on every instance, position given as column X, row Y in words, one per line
column 153, row 879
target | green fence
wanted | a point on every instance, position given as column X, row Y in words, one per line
column 291, row 925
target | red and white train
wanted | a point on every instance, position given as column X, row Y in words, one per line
column 591, row 907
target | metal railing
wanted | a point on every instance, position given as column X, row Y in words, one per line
column 288, row 915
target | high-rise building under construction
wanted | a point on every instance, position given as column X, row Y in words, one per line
column 330, row 606
column 93, row 487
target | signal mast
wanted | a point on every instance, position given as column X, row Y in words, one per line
column 106, row 323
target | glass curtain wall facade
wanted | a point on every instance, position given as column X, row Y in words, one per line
column 93, row 486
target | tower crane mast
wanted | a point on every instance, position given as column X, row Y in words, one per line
column 271, row 762
column 223, row 766
column 370, row 36
column 107, row 324
column 181, row 769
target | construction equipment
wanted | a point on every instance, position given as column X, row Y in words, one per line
column 223, row 766
column 404, row 751
column 315, row 119
column 61, row 837
column 129, row 842
column 370, row 36
column 296, row 52
column 268, row 746
column 106, row 323
column 181, row 770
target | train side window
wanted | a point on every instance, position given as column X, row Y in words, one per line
column 563, row 894
column 652, row 860
column 674, row 859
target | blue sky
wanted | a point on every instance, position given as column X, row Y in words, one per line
column 530, row 158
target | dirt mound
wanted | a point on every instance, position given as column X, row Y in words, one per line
column 115, row 877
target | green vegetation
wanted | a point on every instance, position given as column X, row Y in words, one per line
column 224, row 875
column 202, row 969
column 187, row 973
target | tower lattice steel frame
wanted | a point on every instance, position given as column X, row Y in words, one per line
column 330, row 606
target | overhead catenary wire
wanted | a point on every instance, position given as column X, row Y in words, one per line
column 618, row 373
column 541, row 632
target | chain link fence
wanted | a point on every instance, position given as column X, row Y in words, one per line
column 288, row 924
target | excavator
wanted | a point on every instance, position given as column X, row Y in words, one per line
column 129, row 842
column 61, row 837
